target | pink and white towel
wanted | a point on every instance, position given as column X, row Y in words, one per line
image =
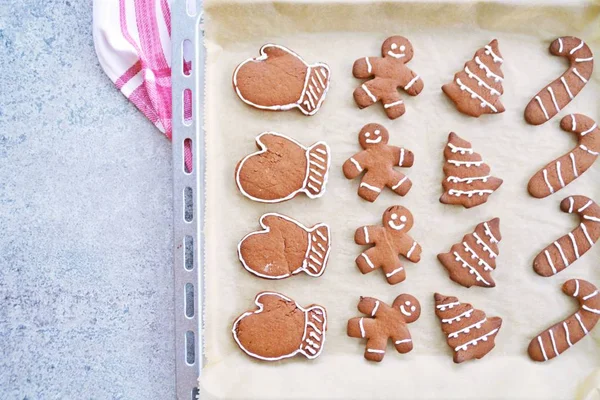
column 133, row 43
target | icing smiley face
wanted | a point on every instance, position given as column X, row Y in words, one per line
column 398, row 218
column 409, row 307
column 372, row 135
column 397, row 47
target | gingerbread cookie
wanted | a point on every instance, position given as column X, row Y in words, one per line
column 385, row 322
column 554, row 97
column 378, row 161
column 472, row 261
column 568, row 248
column 387, row 74
column 468, row 181
column 469, row 332
column 285, row 247
column 565, row 169
column 281, row 80
column 282, row 169
column 389, row 241
column 476, row 90
column 560, row 337
column 280, row 329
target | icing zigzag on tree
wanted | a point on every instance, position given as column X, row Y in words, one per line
column 469, row 332
column 472, row 261
column 467, row 178
column 476, row 89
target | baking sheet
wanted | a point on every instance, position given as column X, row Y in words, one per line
column 444, row 35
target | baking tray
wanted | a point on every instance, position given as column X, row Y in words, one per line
column 444, row 35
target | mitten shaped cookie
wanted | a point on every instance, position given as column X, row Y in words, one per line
column 560, row 337
column 280, row 329
column 385, row 322
column 468, row 181
column 565, row 169
column 282, row 169
column 556, row 96
column 476, row 90
column 472, row 261
column 378, row 161
column 285, row 247
column 568, row 248
column 469, row 332
column 387, row 74
column 280, row 80
column 389, row 241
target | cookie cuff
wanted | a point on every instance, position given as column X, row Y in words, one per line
column 314, row 332
column 315, row 89
column 318, row 158
column 318, row 250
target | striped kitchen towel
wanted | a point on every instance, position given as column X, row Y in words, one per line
column 133, row 44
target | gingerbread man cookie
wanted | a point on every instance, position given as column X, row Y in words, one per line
column 556, row 96
column 568, row 248
column 385, row 322
column 280, row 328
column 469, row 332
column 565, row 169
column 387, row 74
column 476, row 89
column 282, row 169
column 284, row 248
column 378, row 161
column 281, row 80
column 389, row 241
column 560, row 337
column 472, row 261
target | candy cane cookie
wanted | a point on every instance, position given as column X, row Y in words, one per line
column 560, row 337
column 569, row 248
column 565, row 169
column 554, row 97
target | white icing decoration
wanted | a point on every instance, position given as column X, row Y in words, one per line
column 403, row 311
column 576, row 292
column 568, row 336
column 579, row 75
column 462, row 150
column 375, row 351
column 396, row 55
column 403, row 218
column 489, row 233
column 442, row 307
column 474, row 95
column 263, row 56
column 313, row 354
column 585, row 331
column 484, row 245
column 584, row 147
column 488, row 72
column 468, row 193
column 553, row 343
column 573, row 122
column 571, row 204
column 394, row 272
column 586, row 205
column 373, row 188
column 545, row 173
column 412, row 82
column 564, row 82
column 366, row 232
column 474, row 341
column 307, row 255
column 368, row 260
column 356, row 164
column 412, row 248
column 472, row 269
column 496, row 58
column 362, row 328
column 573, row 164
column 403, row 341
column 549, row 259
column 368, row 92
column 395, row 227
column 562, row 254
column 321, row 236
column 589, row 296
column 584, row 59
column 574, row 244
column 400, row 182
column 553, row 98
column 375, row 308
column 560, row 178
column 539, row 100
column 580, row 45
column 466, row 163
column 395, row 103
column 590, row 218
column 560, row 45
column 468, row 180
column 466, row 314
column 589, row 130
column 542, row 348
column 587, row 236
column 480, row 261
column 401, row 157
column 374, row 141
column 476, row 325
column 369, row 67
column 263, row 149
column 481, row 82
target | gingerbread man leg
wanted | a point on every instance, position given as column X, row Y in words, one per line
column 399, row 183
column 394, row 271
column 375, row 349
column 402, row 343
column 371, row 185
column 369, row 260
column 393, row 104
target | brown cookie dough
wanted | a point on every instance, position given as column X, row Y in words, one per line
column 384, row 323
column 280, row 328
column 386, row 75
column 378, row 160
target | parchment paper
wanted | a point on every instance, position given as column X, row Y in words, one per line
column 444, row 37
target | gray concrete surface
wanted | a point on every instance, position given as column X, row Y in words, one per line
column 85, row 219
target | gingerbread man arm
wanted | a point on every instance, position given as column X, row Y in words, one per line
column 355, row 165
column 363, row 67
column 402, row 156
column 409, row 248
column 412, row 85
column 367, row 234
column 370, row 306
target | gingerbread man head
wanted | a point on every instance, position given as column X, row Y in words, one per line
column 372, row 135
column 398, row 219
column 409, row 306
column 397, row 47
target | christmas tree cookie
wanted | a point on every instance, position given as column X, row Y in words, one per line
column 468, row 331
column 477, row 88
column 467, row 178
column 472, row 261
